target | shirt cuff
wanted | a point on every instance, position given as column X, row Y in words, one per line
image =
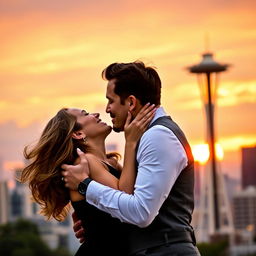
column 92, row 192
column 103, row 197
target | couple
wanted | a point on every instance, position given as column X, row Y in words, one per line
column 144, row 208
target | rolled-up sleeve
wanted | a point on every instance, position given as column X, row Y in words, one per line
column 161, row 158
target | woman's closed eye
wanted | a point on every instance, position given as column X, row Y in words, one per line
column 85, row 113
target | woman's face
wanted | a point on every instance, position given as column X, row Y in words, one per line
column 92, row 126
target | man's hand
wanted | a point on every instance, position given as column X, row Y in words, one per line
column 78, row 228
column 74, row 174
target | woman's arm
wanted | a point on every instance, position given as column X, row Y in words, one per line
column 74, row 194
column 133, row 131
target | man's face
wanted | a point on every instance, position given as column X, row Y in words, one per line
column 118, row 112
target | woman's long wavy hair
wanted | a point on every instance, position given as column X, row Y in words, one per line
column 43, row 173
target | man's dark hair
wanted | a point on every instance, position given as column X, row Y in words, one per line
column 135, row 79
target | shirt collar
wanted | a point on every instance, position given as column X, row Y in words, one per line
column 159, row 113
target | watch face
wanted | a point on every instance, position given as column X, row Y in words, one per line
column 81, row 188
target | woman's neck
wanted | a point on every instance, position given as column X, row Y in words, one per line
column 97, row 148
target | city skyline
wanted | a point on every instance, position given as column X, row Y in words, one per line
column 52, row 56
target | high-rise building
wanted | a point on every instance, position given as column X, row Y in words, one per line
column 248, row 166
column 244, row 208
column 4, row 202
column 4, row 197
column 233, row 185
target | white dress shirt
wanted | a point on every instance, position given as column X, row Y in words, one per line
column 161, row 158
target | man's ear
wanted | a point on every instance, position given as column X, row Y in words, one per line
column 78, row 135
column 132, row 101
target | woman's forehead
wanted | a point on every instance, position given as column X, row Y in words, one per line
column 74, row 111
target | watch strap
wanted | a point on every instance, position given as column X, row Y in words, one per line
column 82, row 187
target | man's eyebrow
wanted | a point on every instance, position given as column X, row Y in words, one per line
column 83, row 111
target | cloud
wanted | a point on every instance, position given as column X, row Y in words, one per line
column 231, row 93
column 52, row 55
column 14, row 138
column 235, row 143
column 41, row 108
column 237, row 92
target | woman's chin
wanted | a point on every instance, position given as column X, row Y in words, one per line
column 109, row 130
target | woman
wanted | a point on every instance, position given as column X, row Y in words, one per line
column 68, row 130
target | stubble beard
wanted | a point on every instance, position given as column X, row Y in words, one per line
column 117, row 129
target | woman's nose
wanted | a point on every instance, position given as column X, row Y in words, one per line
column 96, row 115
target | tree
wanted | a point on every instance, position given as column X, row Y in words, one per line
column 213, row 249
column 21, row 238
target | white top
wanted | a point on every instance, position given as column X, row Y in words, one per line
column 161, row 158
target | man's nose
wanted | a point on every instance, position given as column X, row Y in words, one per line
column 107, row 109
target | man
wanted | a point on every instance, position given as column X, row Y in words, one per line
column 161, row 206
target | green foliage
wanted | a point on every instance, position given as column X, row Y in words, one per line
column 61, row 252
column 21, row 238
column 19, row 227
column 213, row 249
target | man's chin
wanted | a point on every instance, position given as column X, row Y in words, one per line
column 117, row 129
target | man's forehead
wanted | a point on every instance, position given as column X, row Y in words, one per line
column 111, row 84
column 111, row 88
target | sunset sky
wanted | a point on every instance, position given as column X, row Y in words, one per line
column 52, row 54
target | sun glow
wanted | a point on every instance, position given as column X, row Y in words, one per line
column 201, row 152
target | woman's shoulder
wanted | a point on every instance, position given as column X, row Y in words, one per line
column 114, row 163
column 89, row 156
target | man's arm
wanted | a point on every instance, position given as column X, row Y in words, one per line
column 161, row 158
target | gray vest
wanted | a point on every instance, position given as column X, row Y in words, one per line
column 172, row 224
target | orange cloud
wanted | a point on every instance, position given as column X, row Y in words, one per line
column 52, row 56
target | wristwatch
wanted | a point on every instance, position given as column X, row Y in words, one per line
column 82, row 187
